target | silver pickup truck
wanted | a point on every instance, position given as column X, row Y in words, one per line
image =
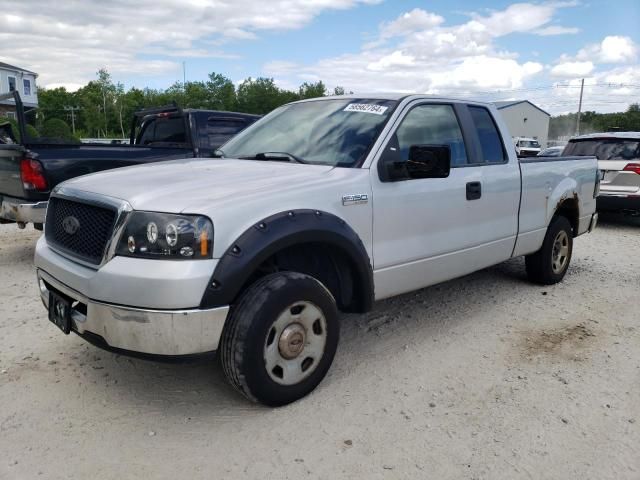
column 323, row 206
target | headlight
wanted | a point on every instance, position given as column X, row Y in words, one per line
column 166, row 236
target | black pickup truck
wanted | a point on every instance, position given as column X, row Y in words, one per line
column 30, row 169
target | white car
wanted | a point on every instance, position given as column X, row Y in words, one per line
column 618, row 156
column 323, row 206
column 527, row 147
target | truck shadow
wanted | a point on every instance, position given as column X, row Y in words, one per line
column 199, row 387
column 615, row 219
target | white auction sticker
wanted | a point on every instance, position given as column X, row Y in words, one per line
column 366, row 108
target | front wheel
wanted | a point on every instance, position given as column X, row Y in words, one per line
column 280, row 338
column 549, row 264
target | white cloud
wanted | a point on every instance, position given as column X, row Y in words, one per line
column 518, row 17
column 69, row 41
column 572, row 69
column 480, row 72
column 409, row 22
column 556, row 30
column 396, row 59
column 612, row 49
column 419, row 52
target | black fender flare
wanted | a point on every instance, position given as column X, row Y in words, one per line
column 277, row 232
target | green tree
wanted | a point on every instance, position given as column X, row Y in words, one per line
column 262, row 95
column 32, row 133
column 312, row 90
column 108, row 93
column 58, row 130
column 221, row 92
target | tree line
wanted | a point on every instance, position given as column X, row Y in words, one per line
column 103, row 108
column 591, row 122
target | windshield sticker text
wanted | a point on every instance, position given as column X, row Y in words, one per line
column 366, row 108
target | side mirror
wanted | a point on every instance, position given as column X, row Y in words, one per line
column 425, row 161
column 429, row 161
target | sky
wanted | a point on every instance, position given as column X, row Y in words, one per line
column 493, row 50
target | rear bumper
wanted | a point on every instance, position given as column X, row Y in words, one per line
column 21, row 211
column 139, row 330
column 618, row 202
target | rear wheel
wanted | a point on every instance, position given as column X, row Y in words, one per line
column 280, row 338
column 549, row 264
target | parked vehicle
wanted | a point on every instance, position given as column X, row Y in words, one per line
column 29, row 171
column 619, row 160
column 551, row 152
column 324, row 205
column 527, row 147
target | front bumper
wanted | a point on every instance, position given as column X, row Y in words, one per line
column 139, row 330
column 21, row 211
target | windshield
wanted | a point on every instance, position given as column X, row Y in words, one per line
column 336, row 132
column 605, row 148
column 528, row 144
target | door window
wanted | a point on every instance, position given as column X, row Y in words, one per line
column 432, row 125
column 488, row 135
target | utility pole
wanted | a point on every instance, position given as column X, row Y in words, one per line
column 580, row 108
column 184, row 75
column 73, row 117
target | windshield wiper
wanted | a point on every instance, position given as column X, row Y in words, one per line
column 277, row 156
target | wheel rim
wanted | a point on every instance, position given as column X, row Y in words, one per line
column 560, row 253
column 295, row 343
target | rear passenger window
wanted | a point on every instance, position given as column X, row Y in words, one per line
column 490, row 141
column 432, row 125
column 221, row 130
column 163, row 130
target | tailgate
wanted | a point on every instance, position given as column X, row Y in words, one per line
column 10, row 181
column 615, row 180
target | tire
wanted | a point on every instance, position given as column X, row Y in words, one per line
column 277, row 316
column 548, row 266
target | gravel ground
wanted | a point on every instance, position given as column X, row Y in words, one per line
column 484, row 377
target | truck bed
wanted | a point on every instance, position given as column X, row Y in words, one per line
column 543, row 181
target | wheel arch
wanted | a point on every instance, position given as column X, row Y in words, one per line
column 564, row 201
column 570, row 209
column 294, row 235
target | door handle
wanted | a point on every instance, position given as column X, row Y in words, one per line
column 474, row 190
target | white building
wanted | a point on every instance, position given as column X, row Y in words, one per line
column 15, row 78
column 524, row 119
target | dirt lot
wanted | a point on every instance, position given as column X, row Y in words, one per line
column 485, row 377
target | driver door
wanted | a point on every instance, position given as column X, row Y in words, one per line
column 428, row 230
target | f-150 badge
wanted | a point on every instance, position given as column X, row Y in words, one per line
column 356, row 199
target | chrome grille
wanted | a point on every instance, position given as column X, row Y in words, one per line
column 79, row 229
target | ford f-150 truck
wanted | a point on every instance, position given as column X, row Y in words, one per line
column 323, row 206
column 30, row 170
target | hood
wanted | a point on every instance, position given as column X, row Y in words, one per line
column 191, row 185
